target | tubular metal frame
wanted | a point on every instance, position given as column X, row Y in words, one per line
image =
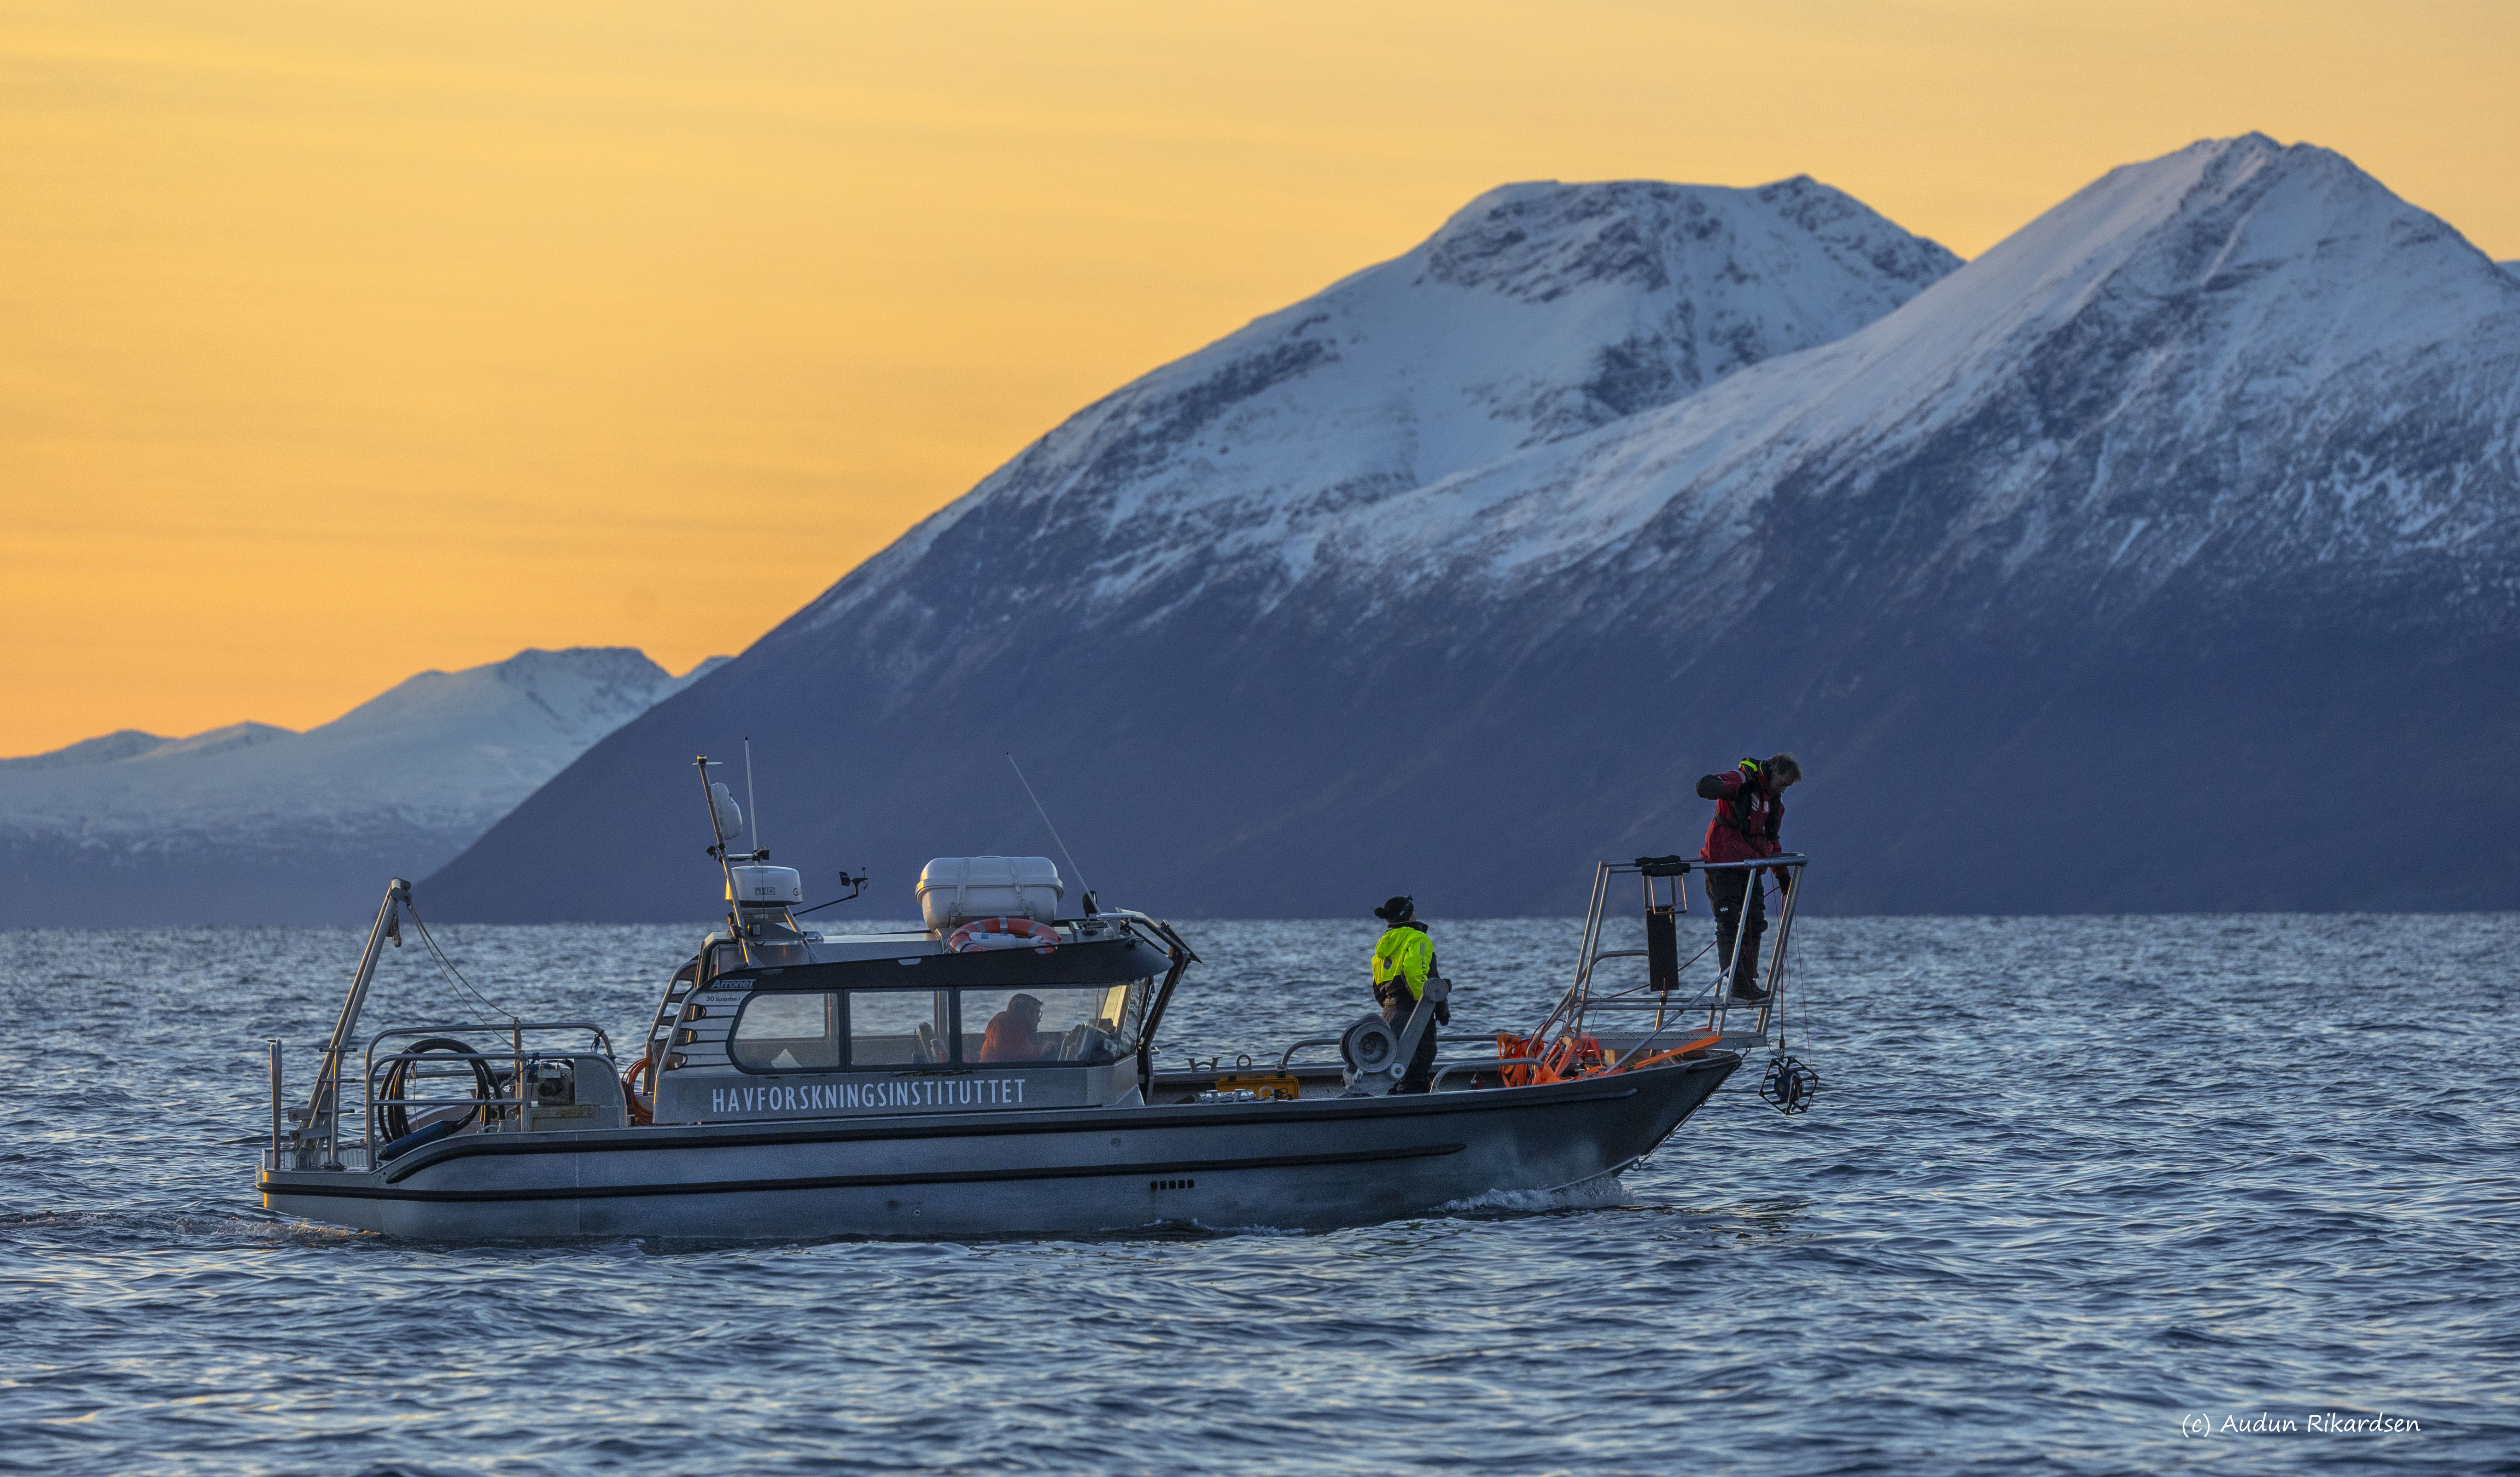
column 516, row 1055
column 1574, row 1008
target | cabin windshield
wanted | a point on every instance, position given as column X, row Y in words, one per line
column 1091, row 1024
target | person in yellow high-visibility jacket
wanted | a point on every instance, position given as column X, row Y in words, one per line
column 1403, row 958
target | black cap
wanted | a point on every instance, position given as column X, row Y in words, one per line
column 1397, row 910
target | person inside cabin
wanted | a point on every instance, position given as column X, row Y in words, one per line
column 1014, row 1033
column 1403, row 958
column 1749, row 808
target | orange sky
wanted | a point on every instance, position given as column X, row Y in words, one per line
column 341, row 340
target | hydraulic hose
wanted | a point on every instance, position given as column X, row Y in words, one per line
column 394, row 1113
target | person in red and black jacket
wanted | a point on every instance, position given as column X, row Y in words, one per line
column 1749, row 809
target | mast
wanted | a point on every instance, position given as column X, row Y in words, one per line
column 718, row 828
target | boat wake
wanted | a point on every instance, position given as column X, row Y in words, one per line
column 1600, row 1192
column 156, row 1230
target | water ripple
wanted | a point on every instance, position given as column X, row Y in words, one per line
column 2069, row 1180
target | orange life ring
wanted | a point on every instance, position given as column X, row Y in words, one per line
column 641, row 1115
column 1045, row 937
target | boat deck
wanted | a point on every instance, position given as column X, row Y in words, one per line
column 1463, row 1062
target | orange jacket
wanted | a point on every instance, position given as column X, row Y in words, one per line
column 1009, row 1040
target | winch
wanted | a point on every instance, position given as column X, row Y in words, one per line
column 1375, row 1056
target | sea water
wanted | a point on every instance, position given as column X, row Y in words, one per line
column 2077, row 1195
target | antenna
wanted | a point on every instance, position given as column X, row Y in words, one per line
column 752, row 802
column 1081, row 885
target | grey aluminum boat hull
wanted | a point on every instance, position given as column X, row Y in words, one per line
column 1310, row 1164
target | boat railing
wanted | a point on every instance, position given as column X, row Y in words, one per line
column 1673, row 999
column 1440, row 1067
column 1444, row 1069
column 1457, row 1037
column 505, row 1103
column 1309, row 1041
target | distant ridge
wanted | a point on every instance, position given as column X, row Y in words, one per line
column 122, row 743
column 250, row 823
column 2102, row 572
column 131, row 743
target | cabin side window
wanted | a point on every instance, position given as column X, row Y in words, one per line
column 1075, row 1025
column 875, row 1030
column 781, row 1032
column 900, row 1028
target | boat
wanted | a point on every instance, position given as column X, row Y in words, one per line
column 991, row 1074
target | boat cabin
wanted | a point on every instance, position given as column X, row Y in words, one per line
column 999, row 1003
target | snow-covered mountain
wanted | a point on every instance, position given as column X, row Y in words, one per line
column 224, row 825
column 2239, row 363
column 2109, row 571
column 1536, row 313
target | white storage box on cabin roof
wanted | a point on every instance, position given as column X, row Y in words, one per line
column 954, row 890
